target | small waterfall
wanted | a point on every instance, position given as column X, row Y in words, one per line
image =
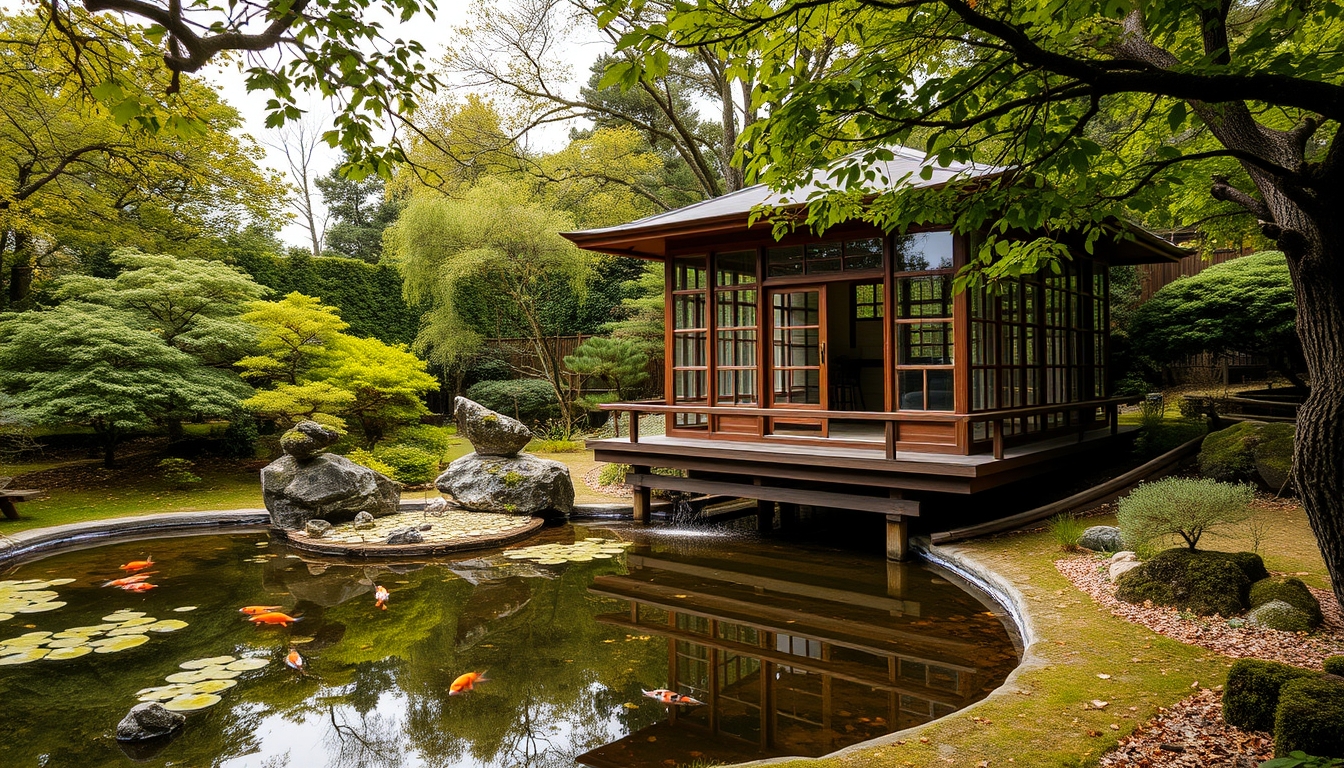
column 682, row 510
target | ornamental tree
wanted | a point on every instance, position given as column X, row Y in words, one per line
column 292, row 334
column 1210, row 111
column 385, row 383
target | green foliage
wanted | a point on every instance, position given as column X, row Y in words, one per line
column 178, row 472
column 239, row 440
column 292, row 403
column 1251, row 694
column 1204, row 583
column 1177, row 506
column 612, row 474
column 436, row 441
column 616, row 363
column 556, row 446
column 293, row 334
column 1066, row 530
column 385, row 382
column 1238, row 452
column 641, row 313
column 1300, row 759
column 366, row 459
column 1290, row 590
column 360, row 211
column 1241, row 306
column 528, row 400
column 1334, row 665
column 1280, row 616
column 1159, row 437
column 409, row 464
column 1310, row 717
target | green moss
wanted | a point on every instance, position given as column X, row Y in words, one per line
column 1252, row 692
column 1250, row 564
column 490, row 418
column 1279, row 615
column 1291, row 591
column 1250, row 451
column 1334, row 665
column 513, row 479
column 1204, row 583
column 1310, row 717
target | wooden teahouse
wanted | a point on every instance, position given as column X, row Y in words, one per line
column 842, row 371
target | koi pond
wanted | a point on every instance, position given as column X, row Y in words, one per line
column 791, row 650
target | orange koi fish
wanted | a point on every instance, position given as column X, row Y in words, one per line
column 139, row 586
column 257, row 610
column 130, row 579
column 672, row 697
column 380, row 596
column 282, row 619
column 466, row 682
column 138, row 565
column 294, row 660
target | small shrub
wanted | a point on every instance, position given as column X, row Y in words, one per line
column 366, row 459
column 1204, row 583
column 1310, row 717
column 1290, row 590
column 1158, row 437
column 556, row 446
column 530, row 401
column 178, row 472
column 1251, row 451
column 1300, row 759
column 1280, row 616
column 428, row 438
column 1177, row 506
column 1067, row 530
column 612, row 474
column 239, row 439
column 409, row 464
column 1251, row 694
column 1334, row 665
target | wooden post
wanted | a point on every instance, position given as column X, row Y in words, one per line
column 634, row 426
column 765, row 516
column 643, row 497
column 895, row 580
column 997, row 426
column 898, row 538
column 788, row 516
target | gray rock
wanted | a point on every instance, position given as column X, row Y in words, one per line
column 1121, row 567
column 1101, row 538
column 307, row 438
column 426, row 527
column 1276, row 614
column 490, row 433
column 363, row 521
column 407, row 535
column 148, row 721
column 317, row 528
column 436, row 506
column 1124, row 556
column 521, row 485
column 325, row 486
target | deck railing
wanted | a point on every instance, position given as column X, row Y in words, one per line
column 890, row 420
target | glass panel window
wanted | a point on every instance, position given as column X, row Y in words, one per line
column 868, row 302
column 736, row 309
column 688, row 311
column 923, row 251
column 798, row 386
column 924, row 344
column 863, row 254
column 735, row 268
column 784, row 261
column 689, row 274
column 737, row 349
column 926, row 296
column 823, row 258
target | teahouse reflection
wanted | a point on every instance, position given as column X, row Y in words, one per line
column 791, row 658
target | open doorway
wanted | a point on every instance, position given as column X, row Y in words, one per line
column 856, row 364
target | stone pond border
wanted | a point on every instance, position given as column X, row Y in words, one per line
column 93, row 533
column 379, row 551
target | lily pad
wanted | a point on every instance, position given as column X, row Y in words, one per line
column 213, row 661
column 115, row 644
column 60, row 582
column 300, row 640
column 214, row 686
column 184, row 677
column 166, row 625
column 23, row 657
column 217, row 673
column 6, row 616
column 247, row 665
column 139, row 621
column 73, row 652
column 67, row 642
column 552, row 561
column 42, row 607
column 184, row 609
column 165, row 692
column 120, row 631
column 192, row 702
column 120, row 616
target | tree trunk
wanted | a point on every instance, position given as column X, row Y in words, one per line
column 109, row 448
column 20, row 273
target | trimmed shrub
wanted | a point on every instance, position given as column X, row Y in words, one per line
column 1310, row 717
column 1334, row 665
column 614, row 474
column 178, row 472
column 366, row 459
column 1204, row 583
column 1178, row 506
column 530, row 401
column 239, row 440
column 1251, row 695
column 409, row 464
column 1290, row 590
column 430, row 439
column 1279, row 615
column 1250, row 564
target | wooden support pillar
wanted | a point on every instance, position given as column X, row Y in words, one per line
column 765, row 516
column 788, row 516
column 898, row 538
column 643, row 501
column 895, row 580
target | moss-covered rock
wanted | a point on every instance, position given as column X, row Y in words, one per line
column 1274, row 455
column 1310, row 717
column 1279, row 615
column 1251, row 451
column 1334, row 665
column 1205, row 583
column 1250, row 564
column 1251, row 695
column 1290, row 590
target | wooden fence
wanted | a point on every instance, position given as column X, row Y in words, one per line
column 1154, row 276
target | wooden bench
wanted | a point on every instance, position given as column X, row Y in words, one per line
column 7, row 499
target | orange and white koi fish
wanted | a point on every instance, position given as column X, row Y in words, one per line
column 257, row 610
column 466, row 682
column 138, row 565
column 139, row 586
column 282, row 619
column 380, row 596
column 130, row 579
column 294, row 660
column 672, row 697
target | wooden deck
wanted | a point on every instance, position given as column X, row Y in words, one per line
column 783, row 460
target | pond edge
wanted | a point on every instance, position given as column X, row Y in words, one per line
column 97, row 532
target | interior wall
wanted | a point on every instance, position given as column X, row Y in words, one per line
column 853, row 345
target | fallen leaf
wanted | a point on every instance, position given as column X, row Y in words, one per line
column 1103, row 676
column 1099, row 704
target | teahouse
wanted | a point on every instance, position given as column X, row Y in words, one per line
column 842, row 371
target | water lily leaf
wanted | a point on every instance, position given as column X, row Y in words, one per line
column 213, row 686
column 300, row 640
column 192, row 702
column 213, row 661
column 185, row 677
column 139, row 621
column 217, row 673
column 184, row 609
column 42, row 607
column 73, row 652
column 6, row 616
column 67, row 642
column 40, row 597
column 23, row 657
column 167, row 625
column 37, row 634
column 59, row 582
column 552, row 561
column 601, row 556
column 115, row 644
column 121, row 631
column 247, row 665
column 580, row 558
column 120, row 616
column 165, row 692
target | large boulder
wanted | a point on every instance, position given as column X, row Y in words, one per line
column 519, row 485
column 325, row 486
column 148, row 721
column 1276, row 614
column 490, row 433
column 1101, row 538
column 307, row 439
column 1290, row 590
column 1249, row 451
column 1198, row 581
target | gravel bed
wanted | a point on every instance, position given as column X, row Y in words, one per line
column 452, row 525
column 1191, row 734
column 1211, row 632
column 617, row 491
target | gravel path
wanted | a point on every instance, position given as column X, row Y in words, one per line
column 1191, row 734
column 1299, row 649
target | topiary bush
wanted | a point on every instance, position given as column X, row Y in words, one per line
column 1290, row 590
column 239, row 440
column 178, row 472
column 409, row 464
column 1178, row 506
column 1334, row 665
column 1251, row 694
column 530, row 401
column 1310, row 717
column 1204, row 583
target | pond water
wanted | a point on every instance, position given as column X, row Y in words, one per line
column 795, row 650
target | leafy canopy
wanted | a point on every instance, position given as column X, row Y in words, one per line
column 292, row 335
column 1181, row 506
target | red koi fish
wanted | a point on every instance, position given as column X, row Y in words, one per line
column 138, row 565
column 294, row 660
column 282, row 619
column 257, row 610
column 380, row 597
column 672, row 697
column 139, row 586
column 466, row 682
column 139, row 577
